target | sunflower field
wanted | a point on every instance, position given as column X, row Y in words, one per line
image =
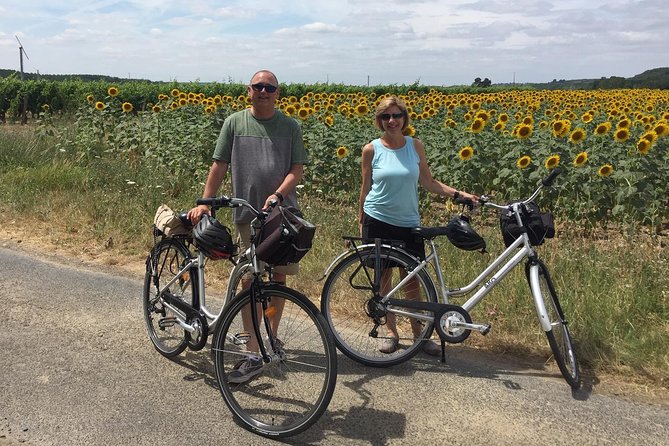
column 612, row 145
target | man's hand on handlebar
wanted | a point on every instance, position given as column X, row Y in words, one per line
column 195, row 214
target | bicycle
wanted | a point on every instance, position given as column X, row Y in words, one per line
column 299, row 365
column 355, row 301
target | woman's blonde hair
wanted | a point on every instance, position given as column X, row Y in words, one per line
column 384, row 105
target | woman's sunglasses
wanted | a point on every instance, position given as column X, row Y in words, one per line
column 387, row 116
column 267, row 88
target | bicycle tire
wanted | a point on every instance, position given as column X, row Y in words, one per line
column 344, row 298
column 294, row 389
column 166, row 259
column 559, row 338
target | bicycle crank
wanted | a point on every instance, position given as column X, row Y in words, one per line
column 453, row 324
column 197, row 338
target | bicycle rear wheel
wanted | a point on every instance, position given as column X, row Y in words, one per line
column 345, row 297
column 292, row 391
column 558, row 336
column 166, row 260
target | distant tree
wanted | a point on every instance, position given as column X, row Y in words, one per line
column 481, row 83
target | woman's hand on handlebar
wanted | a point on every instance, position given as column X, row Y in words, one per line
column 195, row 214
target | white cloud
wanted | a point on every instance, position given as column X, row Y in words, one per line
column 392, row 41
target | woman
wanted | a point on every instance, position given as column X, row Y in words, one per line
column 392, row 167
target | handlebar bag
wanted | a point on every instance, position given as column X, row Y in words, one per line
column 539, row 226
column 285, row 237
column 168, row 222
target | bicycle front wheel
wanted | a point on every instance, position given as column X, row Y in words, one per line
column 288, row 394
column 344, row 303
column 167, row 258
column 558, row 336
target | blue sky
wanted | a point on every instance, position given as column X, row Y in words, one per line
column 353, row 42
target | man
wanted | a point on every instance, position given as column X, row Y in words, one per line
column 266, row 156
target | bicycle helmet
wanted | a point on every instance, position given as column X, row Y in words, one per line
column 462, row 235
column 212, row 238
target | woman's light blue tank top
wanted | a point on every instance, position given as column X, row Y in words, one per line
column 393, row 198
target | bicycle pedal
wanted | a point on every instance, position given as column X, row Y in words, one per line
column 167, row 322
column 486, row 329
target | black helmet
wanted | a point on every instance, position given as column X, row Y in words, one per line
column 463, row 236
column 212, row 238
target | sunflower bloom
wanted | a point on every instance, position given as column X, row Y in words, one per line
column 603, row 128
column 605, row 170
column 523, row 162
column 329, row 120
column 580, row 159
column 524, row 131
column 409, row 131
column 362, row 109
column 90, row 98
column 621, row 134
column 156, row 108
column 466, row 153
column 127, row 107
column 661, row 129
column 477, row 125
column 112, row 91
column 552, row 161
column 342, row 152
column 577, row 136
column 643, row 146
column 99, row 105
column 651, row 137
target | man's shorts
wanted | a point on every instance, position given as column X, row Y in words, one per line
column 243, row 236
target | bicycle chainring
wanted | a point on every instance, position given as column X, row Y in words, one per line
column 444, row 320
column 198, row 339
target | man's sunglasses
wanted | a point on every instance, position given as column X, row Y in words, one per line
column 387, row 116
column 267, row 88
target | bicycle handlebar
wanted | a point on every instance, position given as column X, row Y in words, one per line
column 484, row 200
column 231, row 202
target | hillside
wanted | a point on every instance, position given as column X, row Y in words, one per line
column 654, row 78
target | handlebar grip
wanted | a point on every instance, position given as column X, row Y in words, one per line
column 214, row 201
column 465, row 201
column 550, row 178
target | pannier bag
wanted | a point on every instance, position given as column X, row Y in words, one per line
column 168, row 222
column 285, row 237
column 539, row 226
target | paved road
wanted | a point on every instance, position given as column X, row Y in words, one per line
column 76, row 368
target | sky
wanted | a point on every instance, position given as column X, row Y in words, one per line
column 352, row 42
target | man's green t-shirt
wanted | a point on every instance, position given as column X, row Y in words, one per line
column 260, row 154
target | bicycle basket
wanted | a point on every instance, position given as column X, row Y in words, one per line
column 539, row 226
column 168, row 222
column 213, row 238
column 285, row 237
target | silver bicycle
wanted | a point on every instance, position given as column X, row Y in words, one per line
column 374, row 284
column 299, row 360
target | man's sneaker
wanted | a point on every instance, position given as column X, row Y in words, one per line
column 246, row 369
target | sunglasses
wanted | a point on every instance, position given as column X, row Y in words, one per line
column 261, row 87
column 387, row 116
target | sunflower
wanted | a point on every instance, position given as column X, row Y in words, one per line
column 90, row 98
column 183, row 101
column 450, row 123
column 523, row 131
column 528, row 120
column 127, row 107
column 477, row 126
column 577, row 136
column 156, row 108
column 605, row 170
column 342, row 152
column 112, row 91
column 524, row 161
column 362, row 109
column 603, row 128
column 175, row 93
column 409, row 131
column 329, row 120
column 552, row 161
column 581, row 159
column 650, row 136
column 499, row 126
column 586, row 118
column 643, row 146
column 624, row 123
column 99, row 105
column 503, row 118
column 661, row 129
column 466, row 153
column 303, row 113
column 621, row 134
